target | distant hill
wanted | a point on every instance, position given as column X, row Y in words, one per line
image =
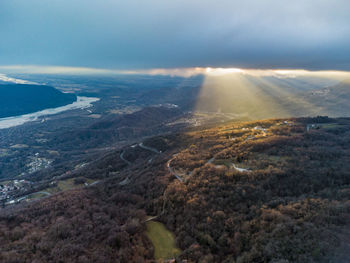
column 114, row 128
column 19, row 99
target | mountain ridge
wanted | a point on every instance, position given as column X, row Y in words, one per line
column 20, row 99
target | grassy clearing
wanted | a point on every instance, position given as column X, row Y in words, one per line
column 36, row 196
column 65, row 185
column 330, row 125
column 163, row 241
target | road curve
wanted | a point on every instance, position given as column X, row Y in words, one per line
column 122, row 157
column 149, row 148
column 171, row 170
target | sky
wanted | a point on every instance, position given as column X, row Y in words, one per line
column 138, row 34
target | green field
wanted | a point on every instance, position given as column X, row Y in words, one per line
column 36, row 196
column 64, row 185
column 163, row 241
column 330, row 125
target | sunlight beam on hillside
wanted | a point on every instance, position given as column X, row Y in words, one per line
column 258, row 94
column 235, row 93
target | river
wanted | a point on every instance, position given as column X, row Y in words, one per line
column 81, row 103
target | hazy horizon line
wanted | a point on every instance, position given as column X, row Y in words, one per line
column 181, row 72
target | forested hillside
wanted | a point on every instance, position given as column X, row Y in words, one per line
column 266, row 191
column 270, row 191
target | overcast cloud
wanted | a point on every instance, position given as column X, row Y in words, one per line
column 134, row 34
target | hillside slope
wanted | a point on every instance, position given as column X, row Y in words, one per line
column 267, row 191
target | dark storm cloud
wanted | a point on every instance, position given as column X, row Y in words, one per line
column 311, row 34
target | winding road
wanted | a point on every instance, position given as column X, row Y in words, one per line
column 43, row 192
column 240, row 169
column 171, row 170
column 233, row 166
column 141, row 145
column 149, row 148
column 122, row 157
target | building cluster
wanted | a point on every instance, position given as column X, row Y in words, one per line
column 259, row 128
column 37, row 163
column 12, row 188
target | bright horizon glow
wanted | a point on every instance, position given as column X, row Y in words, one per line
column 181, row 72
column 257, row 93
